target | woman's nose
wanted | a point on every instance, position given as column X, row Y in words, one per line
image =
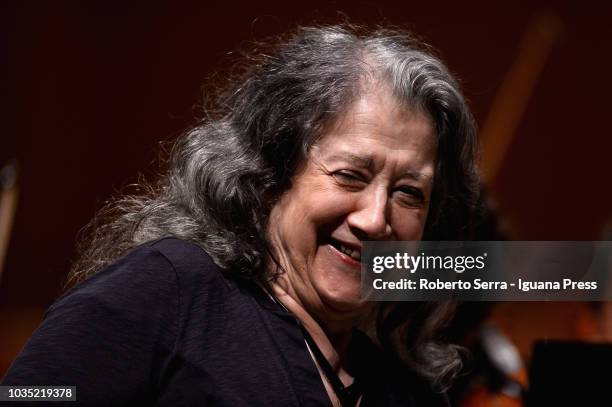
column 370, row 220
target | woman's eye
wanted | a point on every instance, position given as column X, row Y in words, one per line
column 411, row 196
column 349, row 178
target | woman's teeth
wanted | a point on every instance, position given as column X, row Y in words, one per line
column 354, row 254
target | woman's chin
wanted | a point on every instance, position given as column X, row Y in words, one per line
column 345, row 304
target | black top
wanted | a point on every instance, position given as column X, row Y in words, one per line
column 163, row 326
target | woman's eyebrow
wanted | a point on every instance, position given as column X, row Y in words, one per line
column 361, row 161
column 417, row 175
column 367, row 162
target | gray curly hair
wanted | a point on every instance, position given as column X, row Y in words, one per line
column 226, row 173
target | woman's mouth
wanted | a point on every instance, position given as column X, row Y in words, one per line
column 350, row 252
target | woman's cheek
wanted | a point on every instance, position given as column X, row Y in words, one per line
column 409, row 225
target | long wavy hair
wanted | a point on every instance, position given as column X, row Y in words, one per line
column 226, row 173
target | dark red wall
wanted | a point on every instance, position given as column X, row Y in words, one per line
column 90, row 89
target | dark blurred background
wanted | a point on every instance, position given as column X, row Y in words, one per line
column 90, row 89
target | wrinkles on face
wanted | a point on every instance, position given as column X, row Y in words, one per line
column 369, row 177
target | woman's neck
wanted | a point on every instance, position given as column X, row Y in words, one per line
column 332, row 337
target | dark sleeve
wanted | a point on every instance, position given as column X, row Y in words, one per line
column 111, row 336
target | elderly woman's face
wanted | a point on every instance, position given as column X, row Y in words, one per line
column 368, row 178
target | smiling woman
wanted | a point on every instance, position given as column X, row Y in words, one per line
column 357, row 183
column 234, row 279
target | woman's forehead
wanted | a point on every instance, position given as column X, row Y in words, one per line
column 378, row 109
column 377, row 120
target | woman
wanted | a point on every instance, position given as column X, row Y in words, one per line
column 235, row 279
